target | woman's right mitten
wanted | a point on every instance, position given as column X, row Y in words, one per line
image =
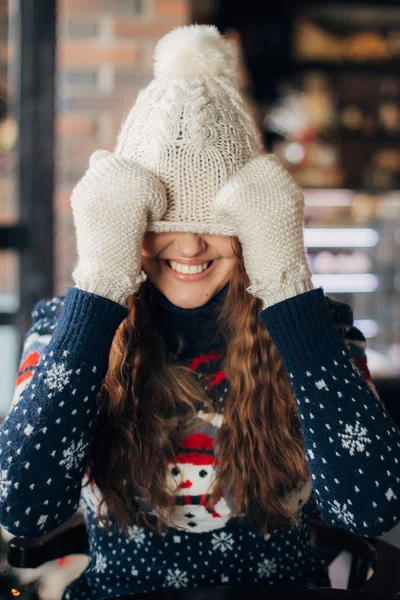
column 111, row 205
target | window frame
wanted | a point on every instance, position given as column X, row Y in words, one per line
column 32, row 79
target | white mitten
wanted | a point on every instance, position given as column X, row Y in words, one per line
column 266, row 207
column 111, row 205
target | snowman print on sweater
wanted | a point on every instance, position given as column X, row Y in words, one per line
column 191, row 477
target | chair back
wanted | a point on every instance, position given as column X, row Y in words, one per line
column 333, row 540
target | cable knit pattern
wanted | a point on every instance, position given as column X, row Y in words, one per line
column 266, row 206
column 111, row 205
column 190, row 128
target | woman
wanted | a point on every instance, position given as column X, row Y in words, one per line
column 193, row 393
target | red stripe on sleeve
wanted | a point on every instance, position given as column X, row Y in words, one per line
column 31, row 361
column 23, row 377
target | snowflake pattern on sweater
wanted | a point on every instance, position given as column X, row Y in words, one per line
column 351, row 444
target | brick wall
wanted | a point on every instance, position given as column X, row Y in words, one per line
column 105, row 50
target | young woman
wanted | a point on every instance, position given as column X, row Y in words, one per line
column 193, row 393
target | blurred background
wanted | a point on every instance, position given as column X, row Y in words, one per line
column 323, row 82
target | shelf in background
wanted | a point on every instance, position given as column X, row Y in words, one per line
column 348, row 68
column 347, row 283
column 340, row 237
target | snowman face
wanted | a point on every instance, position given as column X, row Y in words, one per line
column 189, row 478
column 193, row 476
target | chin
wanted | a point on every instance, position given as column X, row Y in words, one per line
column 188, row 298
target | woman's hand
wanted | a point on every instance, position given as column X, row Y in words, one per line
column 111, row 205
column 265, row 205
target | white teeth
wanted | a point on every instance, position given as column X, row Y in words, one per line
column 193, row 269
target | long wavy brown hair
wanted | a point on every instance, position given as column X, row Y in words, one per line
column 147, row 406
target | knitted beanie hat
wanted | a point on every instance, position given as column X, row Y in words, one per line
column 190, row 128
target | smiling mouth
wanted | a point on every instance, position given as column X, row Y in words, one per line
column 189, row 269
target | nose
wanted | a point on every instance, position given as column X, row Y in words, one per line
column 190, row 244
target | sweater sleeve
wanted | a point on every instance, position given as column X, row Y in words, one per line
column 351, row 443
column 46, row 436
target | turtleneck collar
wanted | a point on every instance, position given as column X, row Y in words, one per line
column 187, row 332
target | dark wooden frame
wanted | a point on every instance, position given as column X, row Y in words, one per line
column 33, row 75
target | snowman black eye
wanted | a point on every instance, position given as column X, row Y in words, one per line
column 175, row 471
column 203, row 473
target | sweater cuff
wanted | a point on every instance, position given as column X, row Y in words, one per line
column 303, row 329
column 86, row 325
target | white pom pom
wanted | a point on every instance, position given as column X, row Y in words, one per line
column 195, row 50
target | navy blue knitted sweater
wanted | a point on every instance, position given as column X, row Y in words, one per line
column 351, row 444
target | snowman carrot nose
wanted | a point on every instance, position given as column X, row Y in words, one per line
column 186, row 484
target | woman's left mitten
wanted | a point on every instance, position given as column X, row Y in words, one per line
column 266, row 207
